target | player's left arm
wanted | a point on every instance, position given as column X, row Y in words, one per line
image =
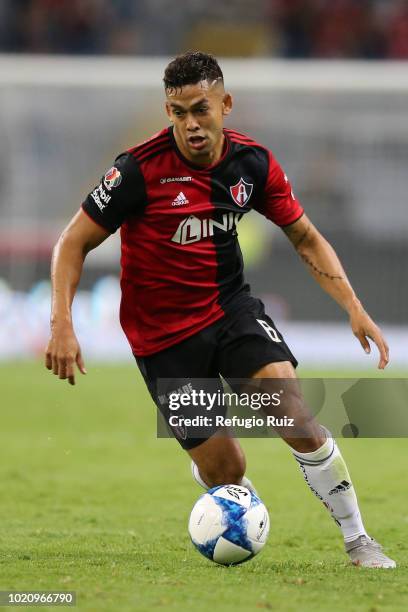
column 325, row 267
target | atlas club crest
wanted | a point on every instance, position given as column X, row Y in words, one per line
column 241, row 192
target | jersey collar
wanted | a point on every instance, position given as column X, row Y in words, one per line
column 220, row 162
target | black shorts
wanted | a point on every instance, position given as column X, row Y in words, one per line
column 236, row 346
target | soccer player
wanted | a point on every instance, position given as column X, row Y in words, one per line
column 186, row 310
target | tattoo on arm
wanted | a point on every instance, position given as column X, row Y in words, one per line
column 297, row 238
column 294, row 237
column 302, row 237
column 310, row 263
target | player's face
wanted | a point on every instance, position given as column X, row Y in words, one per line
column 197, row 112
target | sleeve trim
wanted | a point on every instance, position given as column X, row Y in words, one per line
column 294, row 220
column 107, row 229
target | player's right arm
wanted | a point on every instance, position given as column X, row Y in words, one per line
column 120, row 194
column 78, row 238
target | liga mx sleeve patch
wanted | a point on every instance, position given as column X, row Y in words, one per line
column 120, row 194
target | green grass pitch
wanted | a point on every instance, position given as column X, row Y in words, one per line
column 93, row 502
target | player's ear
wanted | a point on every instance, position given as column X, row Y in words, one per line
column 227, row 103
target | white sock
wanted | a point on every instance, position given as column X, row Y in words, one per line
column 326, row 474
column 245, row 482
column 197, row 476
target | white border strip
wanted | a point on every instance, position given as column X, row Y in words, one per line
column 261, row 74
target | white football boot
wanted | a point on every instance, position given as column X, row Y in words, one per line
column 366, row 552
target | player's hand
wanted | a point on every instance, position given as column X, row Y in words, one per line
column 63, row 352
column 363, row 328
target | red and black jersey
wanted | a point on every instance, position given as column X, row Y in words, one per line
column 181, row 262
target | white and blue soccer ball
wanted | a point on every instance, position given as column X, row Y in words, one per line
column 229, row 524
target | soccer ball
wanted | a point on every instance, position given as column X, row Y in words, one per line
column 229, row 524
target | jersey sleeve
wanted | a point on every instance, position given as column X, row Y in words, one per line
column 120, row 194
column 279, row 204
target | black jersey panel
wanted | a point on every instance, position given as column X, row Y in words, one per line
column 235, row 188
column 120, row 194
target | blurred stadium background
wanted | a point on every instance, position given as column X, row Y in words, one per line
column 322, row 83
column 93, row 501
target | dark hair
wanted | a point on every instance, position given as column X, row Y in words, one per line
column 191, row 68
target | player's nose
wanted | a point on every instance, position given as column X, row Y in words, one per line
column 192, row 124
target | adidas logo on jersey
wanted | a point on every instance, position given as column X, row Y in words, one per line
column 181, row 200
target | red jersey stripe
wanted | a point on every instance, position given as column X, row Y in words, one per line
column 161, row 137
column 149, row 154
column 152, row 146
column 248, row 143
column 243, row 140
column 239, row 134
